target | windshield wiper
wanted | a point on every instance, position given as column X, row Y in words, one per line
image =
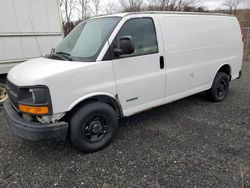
column 63, row 55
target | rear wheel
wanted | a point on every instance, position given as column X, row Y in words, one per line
column 3, row 91
column 220, row 87
column 93, row 126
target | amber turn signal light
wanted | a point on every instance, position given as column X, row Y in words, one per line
column 41, row 110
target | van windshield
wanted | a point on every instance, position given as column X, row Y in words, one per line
column 85, row 42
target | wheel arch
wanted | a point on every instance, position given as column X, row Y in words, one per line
column 226, row 68
column 3, row 76
column 100, row 97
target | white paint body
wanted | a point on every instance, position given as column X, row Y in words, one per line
column 194, row 47
column 28, row 29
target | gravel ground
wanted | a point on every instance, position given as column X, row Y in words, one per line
column 188, row 143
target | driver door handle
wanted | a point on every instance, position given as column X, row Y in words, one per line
column 161, row 62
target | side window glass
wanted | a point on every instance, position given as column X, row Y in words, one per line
column 143, row 35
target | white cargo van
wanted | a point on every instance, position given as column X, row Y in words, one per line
column 29, row 29
column 114, row 66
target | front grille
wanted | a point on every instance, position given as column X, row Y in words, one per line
column 12, row 91
column 11, row 86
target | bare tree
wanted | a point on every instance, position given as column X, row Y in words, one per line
column 191, row 6
column 96, row 4
column 131, row 5
column 68, row 7
column 158, row 5
column 174, row 5
column 111, row 7
column 84, row 9
column 166, row 5
column 232, row 5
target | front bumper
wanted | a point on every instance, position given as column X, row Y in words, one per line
column 240, row 75
column 33, row 130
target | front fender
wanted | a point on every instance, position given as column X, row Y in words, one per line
column 79, row 100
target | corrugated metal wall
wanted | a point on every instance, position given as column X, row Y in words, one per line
column 28, row 28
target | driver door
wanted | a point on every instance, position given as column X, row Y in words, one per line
column 140, row 77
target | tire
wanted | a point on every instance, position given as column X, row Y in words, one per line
column 93, row 126
column 220, row 87
column 3, row 91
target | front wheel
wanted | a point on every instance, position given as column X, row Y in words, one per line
column 220, row 87
column 3, row 91
column 93, row 126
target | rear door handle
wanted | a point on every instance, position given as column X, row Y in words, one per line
column 161, row 62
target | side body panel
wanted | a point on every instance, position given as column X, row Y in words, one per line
column 196, row 46
column 140, row 82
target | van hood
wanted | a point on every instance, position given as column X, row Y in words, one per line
column 38, row 71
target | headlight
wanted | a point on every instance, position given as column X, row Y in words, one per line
column 34, row 100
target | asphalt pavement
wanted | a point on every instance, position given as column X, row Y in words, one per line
column 189, row 143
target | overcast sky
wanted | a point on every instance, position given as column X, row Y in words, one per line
column 207, row 4
column 213, row 4
column 210, row 4
column 217, row 4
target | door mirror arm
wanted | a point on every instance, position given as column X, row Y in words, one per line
column 118, row 51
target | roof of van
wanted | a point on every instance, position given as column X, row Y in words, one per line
column 169, row 13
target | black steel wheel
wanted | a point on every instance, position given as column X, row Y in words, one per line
column 93, row 126
column 220, row 87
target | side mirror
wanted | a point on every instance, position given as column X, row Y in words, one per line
column 126, row 46
column 52, row 51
